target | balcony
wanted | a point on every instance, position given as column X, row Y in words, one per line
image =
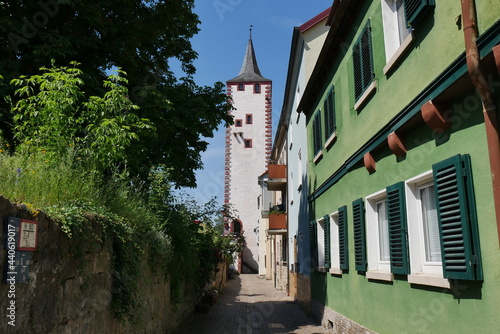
column 277, row 222
column 277, row 177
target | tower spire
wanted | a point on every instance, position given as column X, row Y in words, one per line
column 249, row 70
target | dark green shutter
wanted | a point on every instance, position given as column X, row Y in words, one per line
column 363, row 62
column 398, row 231
column 313, row 243
column 326, row 222
column 415, row 9
column 317, row 133
column 343, row 244
column 329, row 114
column 356, row 60
column 457, row 219
column 358, row 216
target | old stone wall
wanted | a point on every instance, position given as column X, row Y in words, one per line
column 70, row 293
column 336, row 322
column 292, row 289
column 304, row 292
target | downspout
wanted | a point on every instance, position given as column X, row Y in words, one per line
column 489, row 108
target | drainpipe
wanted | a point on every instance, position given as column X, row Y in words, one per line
column 489, row 108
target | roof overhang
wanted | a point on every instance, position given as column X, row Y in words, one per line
column 342, row 16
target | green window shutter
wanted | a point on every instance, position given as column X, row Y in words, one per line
column 363, row 62
column 415, row 9
column 358, row 216
column 358, row 80
column 343, row 245
column 326, row 222
column 329, row 114
column 398, row 232
column 313, row 243
column 457, row 219
column 317, row 133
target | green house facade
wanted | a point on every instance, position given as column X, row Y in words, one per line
column 403, row 229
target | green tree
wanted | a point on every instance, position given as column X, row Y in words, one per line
column 51, row 115
column 138, row 36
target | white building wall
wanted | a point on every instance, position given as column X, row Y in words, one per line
column 297, row 150
column 247, row 164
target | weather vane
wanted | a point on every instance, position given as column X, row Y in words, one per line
column 251, row 26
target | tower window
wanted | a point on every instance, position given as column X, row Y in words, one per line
column 241, row 87
column 249, row 118
column 256, row 88
column 238, row 122
column 248, row 143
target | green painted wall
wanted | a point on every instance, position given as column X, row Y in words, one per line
column 399, row 307
column 438, row 41
column 414, row 308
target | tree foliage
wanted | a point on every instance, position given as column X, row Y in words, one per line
column 139, row 36
column 52, row 114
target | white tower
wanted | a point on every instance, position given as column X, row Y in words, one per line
column 248, row 147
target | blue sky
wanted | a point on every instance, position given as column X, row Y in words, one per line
column 221, row 46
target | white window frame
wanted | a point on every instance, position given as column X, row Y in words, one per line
column 321, row 243
column 377, row 268
column 334, row 244
column 394, row 48
column 421, row 271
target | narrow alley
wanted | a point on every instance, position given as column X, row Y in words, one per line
column 251, row 305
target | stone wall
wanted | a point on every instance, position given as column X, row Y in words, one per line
column 282, row 276
column 292, row 284
column 72, row 294
column 304, row 292
column 336, row 322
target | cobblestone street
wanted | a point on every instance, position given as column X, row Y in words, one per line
column 251, row 305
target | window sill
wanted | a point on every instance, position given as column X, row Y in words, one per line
column 335, row 271
column 318, row 157
column 380, row 275
column 431, row 280
column 330, row 140
column 399, row 53
column 321, row 270
column 365, row 96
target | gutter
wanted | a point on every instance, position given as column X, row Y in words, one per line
column 479, row 81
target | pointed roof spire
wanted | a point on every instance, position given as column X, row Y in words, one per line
column 250, row 70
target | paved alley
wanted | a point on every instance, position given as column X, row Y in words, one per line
column 251, row 305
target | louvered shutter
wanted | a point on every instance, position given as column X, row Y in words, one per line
column 326, row 222
column 329, row 112
column 415, row 9
column 317, row 133
column 457, row 219
column 363, row 62
column 343, row 244
column 398, row 231
column 313, row 243
column 358, row 216
column 356, row 60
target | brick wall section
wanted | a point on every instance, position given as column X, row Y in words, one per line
column 292, row 280
column 281, row 277
column 303, row 296
column 227, row 164
column 336, row 322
